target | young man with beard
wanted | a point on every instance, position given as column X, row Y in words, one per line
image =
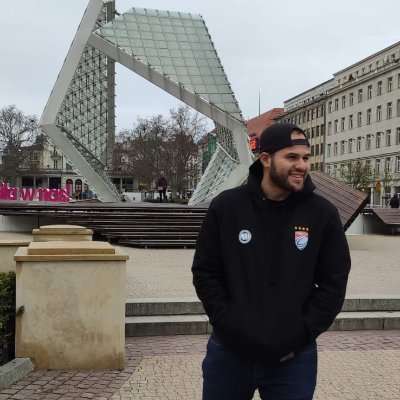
column 270, row 267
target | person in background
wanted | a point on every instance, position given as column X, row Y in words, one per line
column 270, row 267
column 394, row 201
column 162, row 185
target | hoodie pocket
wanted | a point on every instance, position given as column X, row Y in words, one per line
column 261, row 335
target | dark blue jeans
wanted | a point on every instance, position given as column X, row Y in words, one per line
column 229, row 377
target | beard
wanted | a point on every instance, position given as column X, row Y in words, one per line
column 281, row 180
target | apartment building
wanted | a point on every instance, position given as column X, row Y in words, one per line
column 307, row 110
column 363, row 120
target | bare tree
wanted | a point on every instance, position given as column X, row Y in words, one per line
column 186, row 129
column 357, row 174
column 159, row 144
column 18, row 133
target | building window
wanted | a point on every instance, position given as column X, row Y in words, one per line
column 342, row 124
column 55, row 164
column 335, row 127
column 350, row 145
column 359, row 118
column 343, row 101
column 379, row 88
column 388, row 164
column 342, row 146
column 369, row 92
column 317, row 131
column 378, row 140
column 397, row 163
column 390, row 84
column 378, row 113
column 388, row 137
column 389, row 110
column 317, row 149
column 359, row 143
column 398, row 108
column 322, row 110
column 351, row 121
column 368, row 165
column 369, row 116
column 312, row 133
column 336, row 104
column 313, row 114
column 318, row 112
column 368, row 142
column 330, row 107
column 351, row 98
column 328, row 150
column 335, row 149
column 334, row 170
column 378, row 166
column 360, row 95
column 328, row 169
column 322, row 148
column 329, row 127
column 398, row 136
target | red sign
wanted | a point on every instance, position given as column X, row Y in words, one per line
column 253, row 143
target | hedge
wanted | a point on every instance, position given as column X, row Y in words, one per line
column 7, row 317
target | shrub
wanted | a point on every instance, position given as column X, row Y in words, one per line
column 7, row 317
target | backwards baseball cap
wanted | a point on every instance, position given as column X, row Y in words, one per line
column 279, row 136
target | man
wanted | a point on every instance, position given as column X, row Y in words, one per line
column 162, row 187
column 270, row 267
column 394, row 201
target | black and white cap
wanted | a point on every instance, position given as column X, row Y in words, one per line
column 279, row 136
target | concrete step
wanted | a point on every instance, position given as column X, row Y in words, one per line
column 198, row 324
column 167, row 325
column 192, row 305
column 185, row 316
column 163, row 306
column 366, row 320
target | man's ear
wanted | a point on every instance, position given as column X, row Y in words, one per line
column 265, row 159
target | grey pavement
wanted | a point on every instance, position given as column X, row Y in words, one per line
column 352, row 365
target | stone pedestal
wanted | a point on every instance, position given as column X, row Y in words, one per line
column 68, row 233
column 7, row 252
column 73, row 294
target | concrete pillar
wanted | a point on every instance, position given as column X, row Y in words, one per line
column 73, row 294
column 7, row 252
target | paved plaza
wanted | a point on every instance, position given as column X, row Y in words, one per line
column 352, row 365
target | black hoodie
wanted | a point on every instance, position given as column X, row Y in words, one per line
column 271, row 275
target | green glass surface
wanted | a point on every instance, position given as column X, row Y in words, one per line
column 177, row 45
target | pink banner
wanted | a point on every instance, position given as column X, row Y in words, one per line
column 33, row 194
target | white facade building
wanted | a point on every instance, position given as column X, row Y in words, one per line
column 363, row 120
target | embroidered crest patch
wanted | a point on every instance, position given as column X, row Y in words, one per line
column 300, row 237
column 244, row 236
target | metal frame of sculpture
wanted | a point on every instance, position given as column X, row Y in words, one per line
column 172, row 50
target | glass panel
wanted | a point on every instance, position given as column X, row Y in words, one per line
column 181, row 71
column 179, row 62
column 144, row 27
column 190, row 62
column 149, row 44
column 133, row 34
column 132, row 25
column 120, row 33
column 146, row 35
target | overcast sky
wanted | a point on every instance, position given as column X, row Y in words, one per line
column 284, row 46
